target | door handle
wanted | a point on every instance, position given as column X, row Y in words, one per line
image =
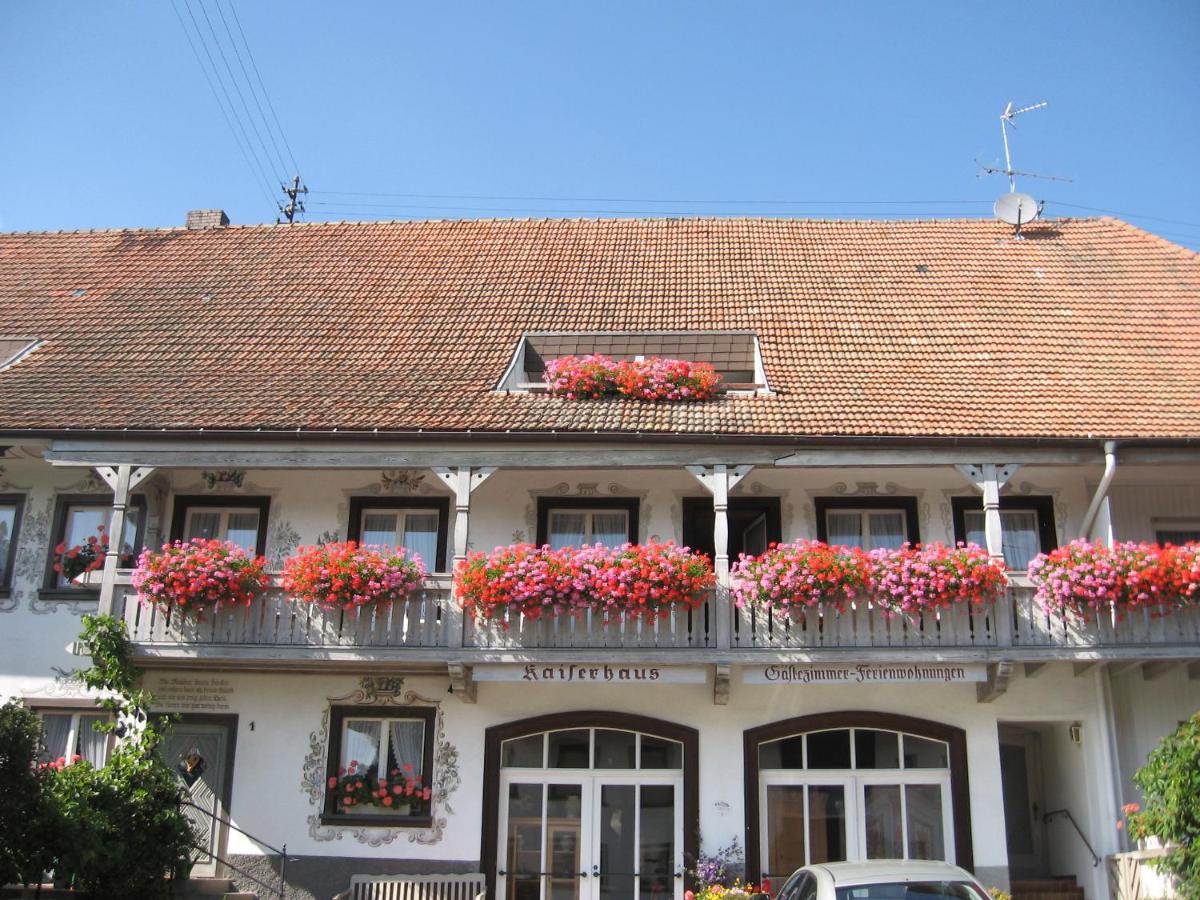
column 584, row 873
column 596, row 870
column 501, row 872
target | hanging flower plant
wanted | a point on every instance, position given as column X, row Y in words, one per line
column 358, row 789
column 71, row 562
column 199, row 574
column 933, row 576
column 349, row 575
column 643, row 580
column 1084, row 576
column 593, row 377
column 805, row 573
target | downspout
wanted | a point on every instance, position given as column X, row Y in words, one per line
column 1110, row 469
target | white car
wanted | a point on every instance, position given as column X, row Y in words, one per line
column 882, row 879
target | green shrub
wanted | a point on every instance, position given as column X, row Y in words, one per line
column 25, row 823
column 1170, row 783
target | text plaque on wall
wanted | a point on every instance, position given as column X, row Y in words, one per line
column 590, row 673
column 811, row 675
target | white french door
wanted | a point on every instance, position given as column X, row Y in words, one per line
column 616, row 836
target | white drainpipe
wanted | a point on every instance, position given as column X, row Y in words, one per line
column 1110, row 469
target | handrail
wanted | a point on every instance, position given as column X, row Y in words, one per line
column 281, row 852
column 1079, row 831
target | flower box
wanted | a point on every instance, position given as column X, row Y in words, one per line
column 655, row 378
column 349, row 575
column 81, row 559
column 1085, row 577
column 639, row 580
column 197, row 575
column 910, row 579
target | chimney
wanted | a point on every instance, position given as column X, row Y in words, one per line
column 206, row 218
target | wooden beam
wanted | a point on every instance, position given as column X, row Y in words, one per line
column 1193, row 669
column 998, row 676
column 1120, row 667
column 1082, row 667
column 722, row 675
column 462, row 684
column 1152, row 671
column 1033, row 669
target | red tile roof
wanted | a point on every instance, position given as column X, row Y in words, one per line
column 949, row 328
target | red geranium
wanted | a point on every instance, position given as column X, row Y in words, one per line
column 199, row 574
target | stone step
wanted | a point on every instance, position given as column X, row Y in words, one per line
column 203, row 886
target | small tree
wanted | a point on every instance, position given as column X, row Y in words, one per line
column 24, row 819
column 1170, row 783
column 119, row 830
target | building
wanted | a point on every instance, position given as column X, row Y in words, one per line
column 280, row 386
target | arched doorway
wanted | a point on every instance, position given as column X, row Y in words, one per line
column 589, row 806
column 854, row 786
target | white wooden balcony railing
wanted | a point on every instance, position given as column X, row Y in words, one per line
column 1015, row 625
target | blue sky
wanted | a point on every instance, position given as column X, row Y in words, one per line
column 107, row 121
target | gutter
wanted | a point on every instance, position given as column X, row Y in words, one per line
column 1110, row 470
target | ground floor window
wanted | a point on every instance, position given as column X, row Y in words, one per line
column 854, row 786
column 380, row 765
column 68, row 734
column 595, row 808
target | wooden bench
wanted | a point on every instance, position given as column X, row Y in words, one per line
column 469, row 886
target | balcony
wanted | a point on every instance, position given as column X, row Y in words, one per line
column 427, row 631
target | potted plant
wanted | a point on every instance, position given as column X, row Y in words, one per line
column 190, row 577
column 349, row 575
column 362, row 789
column 920, row 577
column 790, row 577
column 653, row 378
column 79, row 559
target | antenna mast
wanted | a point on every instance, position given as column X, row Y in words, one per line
column 1006, row 122
column 294, row 205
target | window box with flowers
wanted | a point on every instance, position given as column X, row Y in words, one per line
column 638, row 580
column 380, row 767
column 653, row 378
column 185, row 580
column 907, row 580
column 349, row 575
column 1085, row 578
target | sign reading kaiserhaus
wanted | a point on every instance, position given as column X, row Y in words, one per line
column 802, row 674
column 591, row 673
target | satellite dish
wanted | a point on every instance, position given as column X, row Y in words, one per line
column 1017, row 209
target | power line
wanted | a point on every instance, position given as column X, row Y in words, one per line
column 249, row 84
column 262, row 85
column 256, row 175
column 398, row 212
column 1127, row 215
column 236, row 86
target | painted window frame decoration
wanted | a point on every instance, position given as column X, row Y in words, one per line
column 52, row 586
column 8, row 542
column 339, row 768
column 186, row 504
column 547, row 506
column 1042, row 507
column 953, row 779
column 361, row 506
column 866, row 505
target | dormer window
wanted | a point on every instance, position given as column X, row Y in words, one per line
column 733, row 354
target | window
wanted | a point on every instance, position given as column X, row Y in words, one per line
column 79, row 517
column 380, row 766
column 854, row 786
column 867, row 522
column 573, row 522
column 1176, row 531
column 1026, row 525
column 418, row 524
column 11, row 506
column 240, row 520
column 68, row 734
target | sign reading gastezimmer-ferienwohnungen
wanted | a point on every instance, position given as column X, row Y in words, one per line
column 802, row 674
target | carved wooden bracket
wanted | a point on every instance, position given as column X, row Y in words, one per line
column 998, row 676
column 721, row 679
column 462, row 682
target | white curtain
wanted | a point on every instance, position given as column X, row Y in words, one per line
column 379, row 528
column 93, row 745
column 610, row 528
column 420, row 537
column 58, row 736
column 844, row 528
column 243, row 530
column 1020, row 540
column 203, row 525
column 887, row 530
column 407, row 745
column 566, row 530
column 360, row 744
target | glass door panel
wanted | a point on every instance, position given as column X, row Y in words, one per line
column 637, row 840
column 616, row 833
column 656, row 840
column 826, row 823
column 521, row 876
column 926, row 837
column 787, row 835
column 564, row 849
column 884, row 820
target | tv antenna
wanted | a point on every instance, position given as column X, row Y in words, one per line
column 1015, row 208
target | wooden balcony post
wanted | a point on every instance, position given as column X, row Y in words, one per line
column 719, row 480
column 462, row 481
column 122, row 479
column 988, row 479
